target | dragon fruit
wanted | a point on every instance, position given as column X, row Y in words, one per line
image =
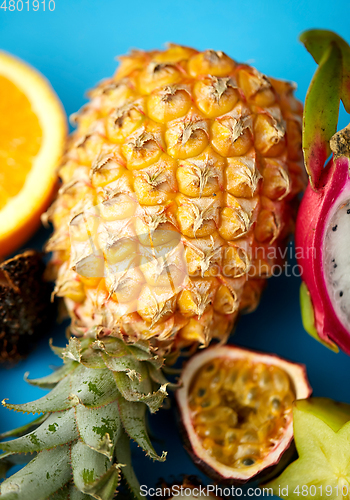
column 323, row 224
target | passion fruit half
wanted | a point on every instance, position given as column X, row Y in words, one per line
column 236, row 411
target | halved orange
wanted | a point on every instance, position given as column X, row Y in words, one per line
column 32, row 135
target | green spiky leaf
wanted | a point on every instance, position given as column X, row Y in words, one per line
column 24, row 429
column 114, row 347
column 106, row 486
column 58, row 429
column 94, row 388
column 92, row 359
column 51, row 380
column 58, row 399
column 75, row 494
column 42, row 477
column 95, row 425
column 122, row 364
column 8, row 460
column 134, row 421
column 158, row 376
column 140, row 391
column 16, row 459
column 61, row 494
column 86, row 413
column 88, row 466
column 56, row 350
column 124, row 457
column 73, row 350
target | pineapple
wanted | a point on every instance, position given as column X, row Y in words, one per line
column 178, row 189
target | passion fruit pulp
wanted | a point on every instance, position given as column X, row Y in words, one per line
column 236, row 411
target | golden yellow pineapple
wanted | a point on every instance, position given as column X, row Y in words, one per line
column 177, row 191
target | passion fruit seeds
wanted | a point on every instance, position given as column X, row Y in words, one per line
column 240, row 410
column 236, row 410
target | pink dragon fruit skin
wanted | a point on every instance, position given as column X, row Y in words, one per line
column 327, row 197
column 312, row 222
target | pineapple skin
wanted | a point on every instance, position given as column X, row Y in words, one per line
column 186, row 154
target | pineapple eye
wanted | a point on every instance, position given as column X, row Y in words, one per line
column 268, row 225
column 175, row 54
column 269, row 134
column 187, row 139
column 256, row 87
column 89, row 146
column 236, row 262
column 232, row 136
column 141, row 150
column 124, row 120
column 215, row 96
column 157, row 75
column 276, row 182
column 226, row 301
column 168, row 104
column 211, row 63
column 242, row 177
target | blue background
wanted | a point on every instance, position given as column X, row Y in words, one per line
column 75, row 45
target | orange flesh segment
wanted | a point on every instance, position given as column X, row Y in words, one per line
column 20, row 139
column 240, row 409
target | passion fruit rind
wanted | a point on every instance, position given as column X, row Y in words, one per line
column 247, row 438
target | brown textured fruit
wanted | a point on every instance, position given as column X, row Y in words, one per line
column 25, row 307
column 179, row 186
column 236, row 411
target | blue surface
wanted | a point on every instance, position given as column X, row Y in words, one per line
column 75, row 46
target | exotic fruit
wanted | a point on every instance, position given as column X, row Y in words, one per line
column 236, row 411
column 322, row 438
column 323, row 224
column 25, row 308
column 178, row 189
column 32, row 137
column 177, row 193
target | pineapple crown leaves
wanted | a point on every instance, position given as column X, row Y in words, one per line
column 98, row 400
column 330, row 84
